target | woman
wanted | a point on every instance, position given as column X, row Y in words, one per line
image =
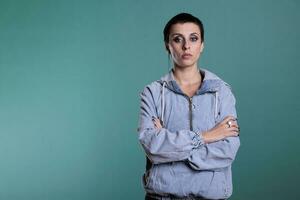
column 187, row 123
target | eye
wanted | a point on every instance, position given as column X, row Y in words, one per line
column 194, row 39
column 177, row 39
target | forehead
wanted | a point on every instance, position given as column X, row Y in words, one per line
column 184, row 28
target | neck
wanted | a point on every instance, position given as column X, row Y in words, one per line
column 187, row 75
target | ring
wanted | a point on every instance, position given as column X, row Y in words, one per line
column 229, row 124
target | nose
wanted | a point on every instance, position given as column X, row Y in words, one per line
column 186, row 45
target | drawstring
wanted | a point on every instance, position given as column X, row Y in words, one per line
column 216, row 105
column 162, row 103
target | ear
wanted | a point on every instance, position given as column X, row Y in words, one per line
column 167, row 47
column 202, row 47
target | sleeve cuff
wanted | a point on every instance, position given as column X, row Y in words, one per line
column 197, row 139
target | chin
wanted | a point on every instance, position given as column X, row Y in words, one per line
column 186, row 63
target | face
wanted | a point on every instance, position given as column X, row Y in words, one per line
column 185, row 44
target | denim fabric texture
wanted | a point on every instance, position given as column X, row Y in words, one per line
column 179, row 163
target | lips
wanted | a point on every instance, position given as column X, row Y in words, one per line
column 186, row 55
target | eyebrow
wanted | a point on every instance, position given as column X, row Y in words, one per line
column 182, row 35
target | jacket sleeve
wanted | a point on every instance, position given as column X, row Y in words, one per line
column 222, row 153
column 161, row 145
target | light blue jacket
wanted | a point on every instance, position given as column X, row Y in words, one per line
column 178, row 161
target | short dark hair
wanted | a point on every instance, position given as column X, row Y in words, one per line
column 182, row 18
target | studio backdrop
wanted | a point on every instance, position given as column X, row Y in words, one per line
column 70, row 77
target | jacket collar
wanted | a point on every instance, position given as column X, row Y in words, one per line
column 210, row 83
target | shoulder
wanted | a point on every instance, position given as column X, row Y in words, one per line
column 152, row 87
column 151, row 90
column 223, row 87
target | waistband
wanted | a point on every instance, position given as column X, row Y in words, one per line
column 172, row 197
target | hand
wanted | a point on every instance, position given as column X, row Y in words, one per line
column 222, row 130
column 157, row 123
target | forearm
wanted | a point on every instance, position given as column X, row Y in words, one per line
column 162, row 145
column 215, row 155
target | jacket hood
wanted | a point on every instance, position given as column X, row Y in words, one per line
column 210, row 83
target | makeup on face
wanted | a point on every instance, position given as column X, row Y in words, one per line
column 179, row 38
column 185, row 43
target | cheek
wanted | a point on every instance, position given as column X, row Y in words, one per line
column 197, row 47
column 175, row 50
column 197, row 50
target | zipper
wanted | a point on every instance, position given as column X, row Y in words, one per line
column 191, row 112
column 190, row 99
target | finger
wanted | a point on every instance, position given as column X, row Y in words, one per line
column 226, row 125
column 231, row 123
column 236, row 133
column 234, row 123
column 154, row 121
column 232, row 133
column 157, row 121
column 235, row 129
column 157, row 126
column 228, row 118
column 235, row 126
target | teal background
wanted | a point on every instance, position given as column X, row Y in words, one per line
column 70, row 77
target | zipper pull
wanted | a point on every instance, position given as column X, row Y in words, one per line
column 191, row 102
